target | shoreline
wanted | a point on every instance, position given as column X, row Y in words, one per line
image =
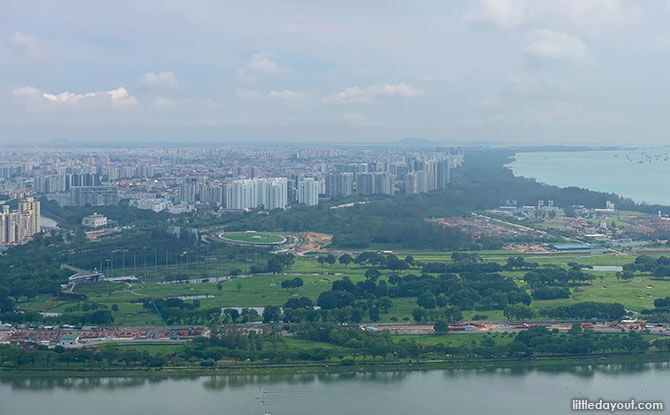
column 362, row 367
column 626, row 192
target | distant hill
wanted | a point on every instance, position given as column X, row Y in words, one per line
column 415, row 142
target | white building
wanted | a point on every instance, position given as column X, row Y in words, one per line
column 308, row 192
column 94, row 221
column 157, row 205
column 270, row 193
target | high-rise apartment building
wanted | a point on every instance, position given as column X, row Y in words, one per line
column 31, row 207
column 340, row 184
column 93, row 196
column 270, row 193
column 308, row 191
column 18, row 226
column 374, row 183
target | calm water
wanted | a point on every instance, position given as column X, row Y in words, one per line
column 485, row 392
column 641, row 175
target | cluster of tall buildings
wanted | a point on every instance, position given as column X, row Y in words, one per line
column 187, row 179
column 375, row 183
column 269, row 193
column 105, row 195
column 345, row 184
column 340, row 184
column 190, row 191
column 428, row 175
column 55, row 183
column 18, row 226
column 308, row 191
column 85, row 189
column 127, row 172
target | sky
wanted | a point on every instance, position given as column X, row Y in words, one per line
column 497, row 71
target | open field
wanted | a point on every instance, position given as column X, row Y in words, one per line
column 264, row 290
column 252, row 237
column 635, row 294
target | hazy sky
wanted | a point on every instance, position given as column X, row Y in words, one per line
column 516, row 71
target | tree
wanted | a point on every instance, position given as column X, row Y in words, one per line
column 330, row 259
column 374, row 313
column 418, row 314
column 329, row 300
column 372, row 273
column 298, row 303
column 346, row 259
column 6, row 303
column 441, row 327
column 426, row 300
column 271, row 314
column 518, row 312
column 232, row 313
column 296, row 282
column 394, row 263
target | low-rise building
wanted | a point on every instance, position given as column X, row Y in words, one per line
column 94, row 221
column 69, row 341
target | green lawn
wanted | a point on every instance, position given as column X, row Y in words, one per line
column 254, row 237
column 635, row 294
column 263, row 290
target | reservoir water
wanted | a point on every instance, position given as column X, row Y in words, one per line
column 641, row 174
column 460, row 392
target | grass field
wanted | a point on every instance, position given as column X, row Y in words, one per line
column 635, row 294
column 263, row 290
column 253, row 237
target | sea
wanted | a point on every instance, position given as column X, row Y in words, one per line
column 640, row 174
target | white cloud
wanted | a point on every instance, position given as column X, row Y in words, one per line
column 160, row 79
column 27, row 46
column 587, row 14
column 598, row 11
column 116, row 98
column 67, row 97
column 504, row 13
column 545, row 44
column 26, row 91
column 355, row 94
column 289, row 95
column 261, row 65
column 285, row 95
column 121, row 97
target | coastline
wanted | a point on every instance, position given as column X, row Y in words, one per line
column 633, row 174
column 362, row 367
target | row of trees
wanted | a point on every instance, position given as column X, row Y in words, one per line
column 658, row 267
column 343, row 342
